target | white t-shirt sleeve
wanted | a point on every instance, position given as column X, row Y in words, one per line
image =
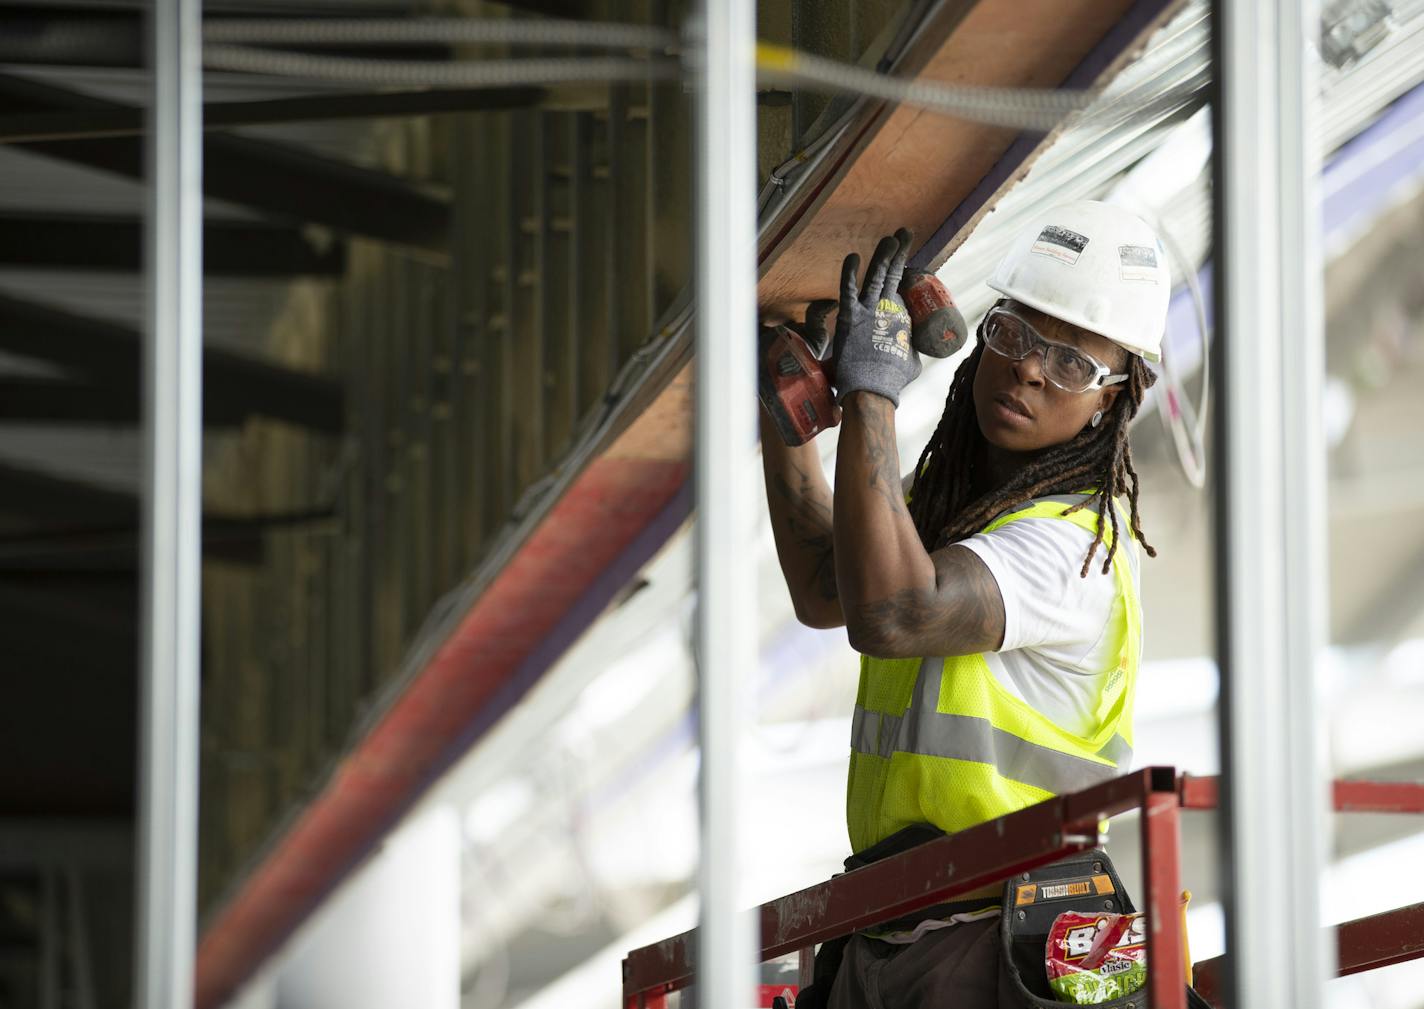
column 1048, row 606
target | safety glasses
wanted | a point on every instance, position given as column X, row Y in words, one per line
column 1011, row 335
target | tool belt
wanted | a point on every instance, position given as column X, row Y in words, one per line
column 1031, row 901
column 1087, row 883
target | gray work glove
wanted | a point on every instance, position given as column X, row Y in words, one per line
column 872, row 347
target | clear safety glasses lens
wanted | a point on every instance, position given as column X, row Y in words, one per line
column 1015, row 339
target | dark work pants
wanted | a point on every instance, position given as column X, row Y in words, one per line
column 951, row 968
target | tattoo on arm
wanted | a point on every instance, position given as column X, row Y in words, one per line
column 809, row 520
column 884, row 455
column 962, row 614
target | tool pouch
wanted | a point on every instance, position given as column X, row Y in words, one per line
column 1086, row 883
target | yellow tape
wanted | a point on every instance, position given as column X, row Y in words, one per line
column 770, row 56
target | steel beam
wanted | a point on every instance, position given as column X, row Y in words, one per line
column 89, row 844
column 61, row 402
column 61, row 501
column 104, row 242
column 38, row 644
column 278, row 180
column 104, row 608
column 106, row 354
column 88, row 124
column 86, row 526
column 112, row 547
column 1270, row 447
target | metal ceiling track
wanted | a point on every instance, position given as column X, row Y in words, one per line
column 278, row 180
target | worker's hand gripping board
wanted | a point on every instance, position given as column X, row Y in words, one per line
column 795, row 375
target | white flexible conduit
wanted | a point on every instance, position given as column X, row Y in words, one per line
column 429, row 74
column 443, row 31
column 234, row 46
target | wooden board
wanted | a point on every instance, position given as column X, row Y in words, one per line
column 915, row 168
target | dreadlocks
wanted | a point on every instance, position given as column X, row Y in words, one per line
column 1097, row 457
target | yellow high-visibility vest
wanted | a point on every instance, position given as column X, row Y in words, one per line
column 941, row 741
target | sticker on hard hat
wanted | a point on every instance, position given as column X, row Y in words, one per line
column 1060, row 244
column 1138, row 263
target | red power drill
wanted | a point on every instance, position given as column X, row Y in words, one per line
column 795, row 385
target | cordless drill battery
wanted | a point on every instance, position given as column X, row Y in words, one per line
column 795, row 388
column 939, row 326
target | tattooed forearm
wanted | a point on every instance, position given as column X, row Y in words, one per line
column 878, row 417
column 808, row 520
column 800, row 501
column 961, row 614
column 808, row 516
column 825, row 571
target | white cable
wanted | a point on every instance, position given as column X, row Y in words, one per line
column 490, row 985
column 431, row 74
column 422, row 73
column 1184, row 423
column 1021, row 108
column 455, row 31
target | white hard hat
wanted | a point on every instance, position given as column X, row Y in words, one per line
column 1096, row 266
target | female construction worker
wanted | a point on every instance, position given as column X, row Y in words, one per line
column 993, row 597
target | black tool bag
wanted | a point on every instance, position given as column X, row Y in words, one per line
column 1086, row 883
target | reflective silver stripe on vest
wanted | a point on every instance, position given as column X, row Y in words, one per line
column 923, row 730
column 1117, row 750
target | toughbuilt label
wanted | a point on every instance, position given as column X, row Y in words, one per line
column 1082, row 886
column 1060, row 243
column 1138, row 262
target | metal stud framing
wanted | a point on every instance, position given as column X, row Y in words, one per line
column 168, row 792
column 725, row 482
column 1270, row 572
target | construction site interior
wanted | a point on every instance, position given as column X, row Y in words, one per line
column 448, row 749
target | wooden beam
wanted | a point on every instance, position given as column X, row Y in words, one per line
column 910, row 168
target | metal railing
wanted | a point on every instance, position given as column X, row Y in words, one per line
column 950, row 866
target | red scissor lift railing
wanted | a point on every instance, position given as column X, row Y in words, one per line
column 949, row 866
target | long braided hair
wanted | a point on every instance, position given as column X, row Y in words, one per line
column 941, row 503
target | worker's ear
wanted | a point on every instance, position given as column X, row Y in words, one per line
column 1107, row 396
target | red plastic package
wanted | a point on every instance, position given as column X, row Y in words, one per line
column 1092, row 958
